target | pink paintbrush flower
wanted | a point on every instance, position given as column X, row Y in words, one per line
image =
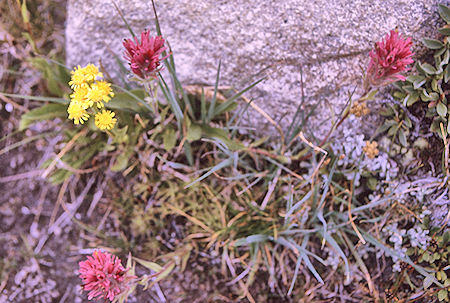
column 389, row 59
column 103, row 275
column 144, row 57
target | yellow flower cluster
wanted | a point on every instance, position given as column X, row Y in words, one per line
column 359, row 109
column 371, row 149
column 88, row 90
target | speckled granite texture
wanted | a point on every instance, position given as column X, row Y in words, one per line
column 329, row 39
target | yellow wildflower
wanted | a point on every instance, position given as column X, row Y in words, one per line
column 78, row 78
column 105, row 120
column 106, row 90
column 91, row 72
column 99, row 92
column 77, row 112
column 80, row 95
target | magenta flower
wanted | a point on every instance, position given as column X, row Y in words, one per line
column 143, row 57
column 103, row 275
column 389, row 59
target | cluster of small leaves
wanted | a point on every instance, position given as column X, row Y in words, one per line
column 436, row 258
column 397, row 124
column 430, row 82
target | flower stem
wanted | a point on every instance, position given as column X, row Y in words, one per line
column 150, row 89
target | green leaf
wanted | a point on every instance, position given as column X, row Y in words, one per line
column 402, row 138
column 128, row 101
column 166, row 271
column 408, row 88
column 444, row 11
column 445, row 31
column 433, row 43
column 434, row 85
column 56, row 76
column 425, row 96
column 194, row 132
column 428, row 68
column 122, row 161
column 150, row 265
column 418, row 83
column 411, row 99
column 46, row 112
column 25, row 13
column 446, row 58
column 221, row 135
column 447, row 73
column 414, row 78
column 372, row 183
column 407, row 122
column 439, row 52
column 441, row 110
column 169, row 138
column 370, row 95
column 188, row 153
column 393, row 130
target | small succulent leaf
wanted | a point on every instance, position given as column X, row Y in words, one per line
column 402, row 138
column 420, row 69
column 414, row 78
column 393, row 130
column 445, row 31
column 442, row 294
column 446, row 57
column 408, row 88
column 447, row 73
column 418, row 83
column 441, row 110
column 439, row 53
column 411, row 99
column 444, row 11
column 428, row 68
column 407, row 122
column 434, row 85
column 433, row 43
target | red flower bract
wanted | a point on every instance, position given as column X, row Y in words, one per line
column 389, row 58
column 143, row 57
column 103, row 275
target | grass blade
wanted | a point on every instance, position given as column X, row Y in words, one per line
column 123, row 19
column 172, row 101
column 219, row 166
column 212, row 106
column 222, row 107
column 37, row 98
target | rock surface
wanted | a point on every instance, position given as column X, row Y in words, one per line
column 330, row 40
